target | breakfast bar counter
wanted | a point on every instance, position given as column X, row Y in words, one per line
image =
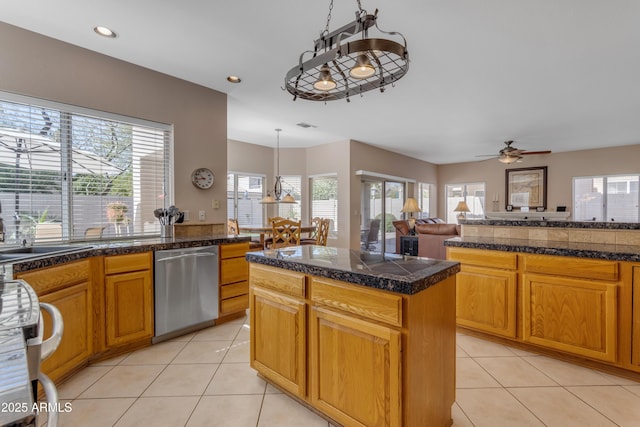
column 364, row 339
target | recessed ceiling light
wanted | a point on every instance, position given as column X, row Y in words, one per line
column 234, row 79
column 105, row 32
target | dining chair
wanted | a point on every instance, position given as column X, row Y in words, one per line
column 322, row 232
column 232, row 227
column 313, row 235
column 93, row 232
column 285, row 232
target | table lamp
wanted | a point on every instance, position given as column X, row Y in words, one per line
column 411, row 206
column 462, row 208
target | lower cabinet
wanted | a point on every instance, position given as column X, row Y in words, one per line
column 234, row 281
column 355, row 369
column 486, row 290
column 278, row 344
column 69, row 288
column 565, row 304
column 635, row 317
column 74, row 304
column 128, row 297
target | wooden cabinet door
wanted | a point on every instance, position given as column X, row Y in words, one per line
column 635, row 328
column 278, row 339
column 486, row 300
column 74, row 303
column 355, row 369
column 571, row 315
column 129, row 307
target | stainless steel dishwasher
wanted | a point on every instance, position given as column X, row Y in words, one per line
column 186, row 290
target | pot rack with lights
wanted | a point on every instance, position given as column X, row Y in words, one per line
column 274, row 196
column 347, row 62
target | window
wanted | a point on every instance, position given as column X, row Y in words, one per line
column 66, row 170
column 424, row 193
column 291, row 185
column 244, row 193
column 472, row 193
column 606, row 198
column 324, row 200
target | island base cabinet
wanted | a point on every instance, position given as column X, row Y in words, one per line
column 349, row 355
column 278, row 339
column 574, row 316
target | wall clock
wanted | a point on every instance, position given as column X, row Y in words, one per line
column 202, row 178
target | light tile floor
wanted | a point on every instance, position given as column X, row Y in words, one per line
column 204, row 379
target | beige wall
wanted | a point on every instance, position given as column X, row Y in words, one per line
column 38, row 66
column 561, row 168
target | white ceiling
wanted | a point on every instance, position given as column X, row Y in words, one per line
column 549, row 74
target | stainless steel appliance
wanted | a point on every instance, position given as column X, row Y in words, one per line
column 186, row 290
column 21, row 351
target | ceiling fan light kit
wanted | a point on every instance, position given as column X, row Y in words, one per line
column 511, row 154
column 348, row 62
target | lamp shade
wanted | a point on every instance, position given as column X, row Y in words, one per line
column 410, row 206
column 268, row 200
column 462, row 207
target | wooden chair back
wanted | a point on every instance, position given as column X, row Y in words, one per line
column 233, row 228
column 285, row 232
column 316, row 223
column 322, row 231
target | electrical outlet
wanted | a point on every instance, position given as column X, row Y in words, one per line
column 201, row 215
column 186, row 215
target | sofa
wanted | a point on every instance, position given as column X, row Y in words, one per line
column 431, row 232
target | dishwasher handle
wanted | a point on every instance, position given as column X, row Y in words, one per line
column 199, row 254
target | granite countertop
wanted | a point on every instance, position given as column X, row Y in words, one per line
column 390, row 272
column 543, row 247
column 81, row 250
column 553, row 224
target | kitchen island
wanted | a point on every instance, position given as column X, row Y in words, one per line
column 363, row 339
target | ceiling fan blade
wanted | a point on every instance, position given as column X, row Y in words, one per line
column 535, row 152
column 486, row 155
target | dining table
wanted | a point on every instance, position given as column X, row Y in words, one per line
column 266, row 230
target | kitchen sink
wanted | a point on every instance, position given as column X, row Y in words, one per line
column 14, row 254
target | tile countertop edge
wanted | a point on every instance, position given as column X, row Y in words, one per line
column 408, row 284
column 121, row 248
column 538, row 247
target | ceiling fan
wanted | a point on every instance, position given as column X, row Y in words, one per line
column 511, row 154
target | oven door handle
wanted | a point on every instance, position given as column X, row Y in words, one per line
column 51, row 344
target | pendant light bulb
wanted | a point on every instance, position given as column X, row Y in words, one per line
column 363, row 68
column 325, row 82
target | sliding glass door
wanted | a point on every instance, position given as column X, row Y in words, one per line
column 381, row 203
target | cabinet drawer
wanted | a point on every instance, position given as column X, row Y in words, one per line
column 234, row 304
column 53, row 278
column 127, row 263
column 484, row 258
column 369, row 303
column 572, row 267
column 233, row 270
column 234, row 289
column 232, row 250
column 288, row 282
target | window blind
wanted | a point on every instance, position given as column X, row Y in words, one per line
column 324, row 200
column 606, row 198
column 291, row 184
column 68, row 173
column 244, row 193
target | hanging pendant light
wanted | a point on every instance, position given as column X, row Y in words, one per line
column 358, row 62
column 274, row 197
column 363, row 68
column 325, row 82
